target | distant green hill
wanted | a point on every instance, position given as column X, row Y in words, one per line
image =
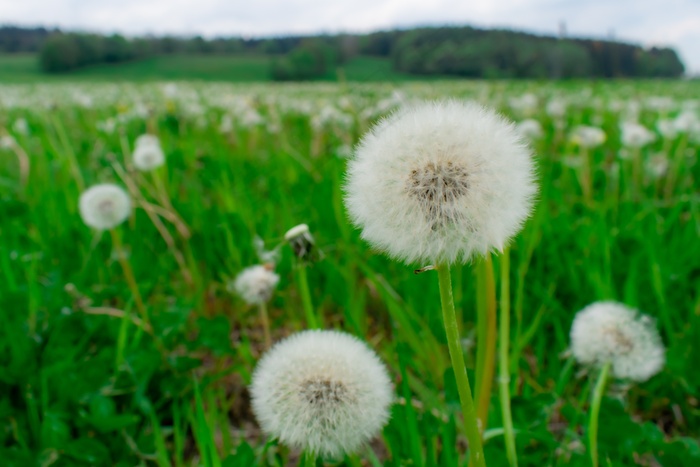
column 25, row 68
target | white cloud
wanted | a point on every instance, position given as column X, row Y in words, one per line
column 665, row 22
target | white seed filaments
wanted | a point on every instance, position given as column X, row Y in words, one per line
column 321, row 391
column 440, row 182
column 104, row 206
column 438, row 188
column 255, row 284
column 609, row 332
column 148, row 154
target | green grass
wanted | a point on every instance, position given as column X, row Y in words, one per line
column 24, row 68
column 84, row 382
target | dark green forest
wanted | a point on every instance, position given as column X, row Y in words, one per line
column 457, row 51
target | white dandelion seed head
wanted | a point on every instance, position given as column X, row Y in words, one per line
column 148, row 157
column 255, row 284
column 612, row 332
column 588, row 136
column 147, row 140
column 530, row 129
column 322, row 391
column 104, row 206
column 440, row 181
column 667, row 128
column 635, row 135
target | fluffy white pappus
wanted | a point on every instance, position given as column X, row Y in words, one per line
column 440, row 182
column 588, row 136
column 148, row 157
column 530, row 129
column 612, row 332
column 635, row 135
column 256, row 284
column 148, row 154
column 322, row 391
column 104, row 206
column 147, row 139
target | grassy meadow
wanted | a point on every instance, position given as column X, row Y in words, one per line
column 87, row 379
column 24, row 68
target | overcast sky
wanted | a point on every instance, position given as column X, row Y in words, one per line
column 674, row 23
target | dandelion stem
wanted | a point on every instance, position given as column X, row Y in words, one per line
column 129, row 275
column 311, row 319
column 308, row 460
column 476, row 450
column 503, row 365
column 595, row 410
column 486, row 338
column 266, row 324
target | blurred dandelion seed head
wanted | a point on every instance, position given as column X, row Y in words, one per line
column 255, row 284
column 322, row 391
column 104, row 206
column 612, row 332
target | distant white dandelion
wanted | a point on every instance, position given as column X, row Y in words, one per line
column 440, row 181
column 104, row 206
column 21, row 126
column 612, row 332
column 148, row 154
column 530, row 129
column 635, row 135
column 325, row 392
column 255, row 284
column 588, row 136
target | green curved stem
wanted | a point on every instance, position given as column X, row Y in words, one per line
column 595, row 411
column 476, row 450
column 503, row 365
column 311, row 319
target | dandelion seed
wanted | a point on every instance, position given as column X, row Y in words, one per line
column 611, row 332
column 104, row 206
column 255, row 284
column 440, row 181
column 325, row 392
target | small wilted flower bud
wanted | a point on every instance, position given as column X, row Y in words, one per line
column 440, row 181
column 325, row 392
column 255, row 284
column 148, row 154
column 611, row 332
column 301, row 241
column 104, row 206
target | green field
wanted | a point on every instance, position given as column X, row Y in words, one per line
column 90, row 377
column 25, row 68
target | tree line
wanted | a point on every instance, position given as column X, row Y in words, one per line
column 456, row 51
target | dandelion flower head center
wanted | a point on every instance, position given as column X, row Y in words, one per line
column 437, row 187
column 320, row 392
column 622, row 342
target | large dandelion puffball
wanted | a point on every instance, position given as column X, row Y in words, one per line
column 255, row 284
column 104, row 206
column 321, row 391
column 611, row 332
column 440, row 182
column 148, row 154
